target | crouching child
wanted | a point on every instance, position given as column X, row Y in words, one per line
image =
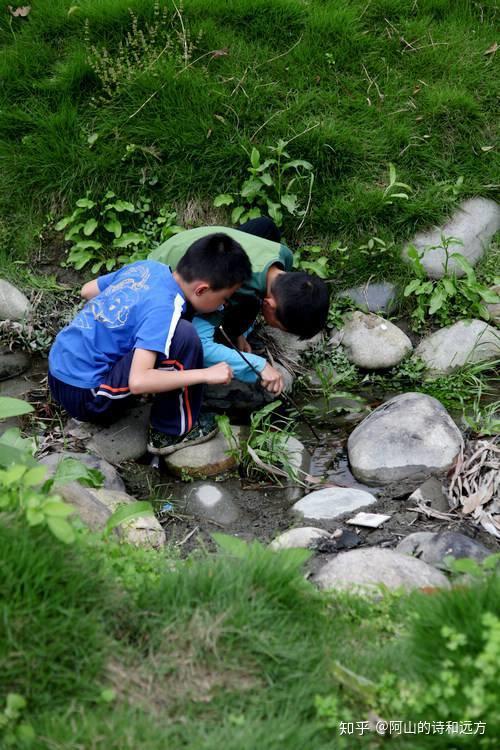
column 134, row 337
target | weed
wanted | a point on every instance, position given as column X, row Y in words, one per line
column 390, row 192
column 483, row 419
column 271, row 187
column 100, row 229
column 14, row 731
column 449, row 297
column 141, row 51
column 265, row 453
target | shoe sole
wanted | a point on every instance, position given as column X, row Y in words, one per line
column 167, row 451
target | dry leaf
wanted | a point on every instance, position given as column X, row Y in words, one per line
column 492, row 49
column 224, row 52
column 21, row 12
column 487, row 148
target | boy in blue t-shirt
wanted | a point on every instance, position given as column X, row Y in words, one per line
column 134, row 337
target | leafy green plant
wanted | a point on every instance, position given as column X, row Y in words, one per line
column 23, row 487
column 465, row 682
column 13, row 731
column 390, row 193
column 273, row 187
column 265, row 453
column 450, row 297
column 483, row 419
column 111, row 231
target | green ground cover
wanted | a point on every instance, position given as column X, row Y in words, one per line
column 175, row 111
column 121, row 648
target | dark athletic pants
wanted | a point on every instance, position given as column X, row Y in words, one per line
column 174, row 412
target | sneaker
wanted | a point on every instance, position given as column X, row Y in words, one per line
column 161, row 444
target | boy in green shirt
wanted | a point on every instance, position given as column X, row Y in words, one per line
column 296, row 302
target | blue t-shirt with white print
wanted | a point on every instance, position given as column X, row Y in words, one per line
column 138, row 307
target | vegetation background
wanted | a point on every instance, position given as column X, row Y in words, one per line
column 173, row 109
column 106, row 646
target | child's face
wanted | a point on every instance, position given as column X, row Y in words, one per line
column 207, row 300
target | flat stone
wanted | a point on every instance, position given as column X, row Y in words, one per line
column 465, row 342
column 212, row 502
column 326, row 504
column 365, row 570
column 14, row 305
column 474, row 223
column 409, row 438
column 124, row 440
column 377, row 297
column 431, row 493
column 18, row 387
column 13, row 364
column 112, row 480
column 142, row 531
column 303, row 538
column 203, row 460
column 432, row 548
column 371, row 342
column 369, row 520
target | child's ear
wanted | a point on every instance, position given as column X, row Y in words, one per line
column 200, row 288
column 270, row 302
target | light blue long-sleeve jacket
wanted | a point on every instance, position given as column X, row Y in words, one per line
column 213, row 353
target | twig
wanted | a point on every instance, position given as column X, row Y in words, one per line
column 311, row 182
column 279, row 112
column 188, row 536
column 282, row 54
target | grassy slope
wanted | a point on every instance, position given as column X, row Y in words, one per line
column 376, row 82
column 218, row 651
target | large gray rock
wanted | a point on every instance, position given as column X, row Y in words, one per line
column 365, row 570
column 433, row 548
column 14, row 305
column 12, row 364
column 371, row 342
column 474, row 223
column 323, row 505
column 468, row 341
column 112, row 480
column 212, row 502
column 410, row 438
column 376, row 298
column 124, row 440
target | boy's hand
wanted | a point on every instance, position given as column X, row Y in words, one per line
column 219, row 374
column 272, row 380
column 243, row 345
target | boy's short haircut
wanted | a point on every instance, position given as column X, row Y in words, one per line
column 216, row 259
column 302, row 302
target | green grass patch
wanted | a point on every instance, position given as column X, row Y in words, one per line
column 375, row 82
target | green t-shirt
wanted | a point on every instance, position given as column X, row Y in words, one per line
column 261, row 252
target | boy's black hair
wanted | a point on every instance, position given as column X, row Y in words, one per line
column 302, row 301
column 216, row 259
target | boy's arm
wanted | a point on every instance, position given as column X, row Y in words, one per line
column 90, row 289
column 214, row 352
column 271, row 379
column 144, row 378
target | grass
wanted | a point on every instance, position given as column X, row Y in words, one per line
column 231, row 648
column 369, row 82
